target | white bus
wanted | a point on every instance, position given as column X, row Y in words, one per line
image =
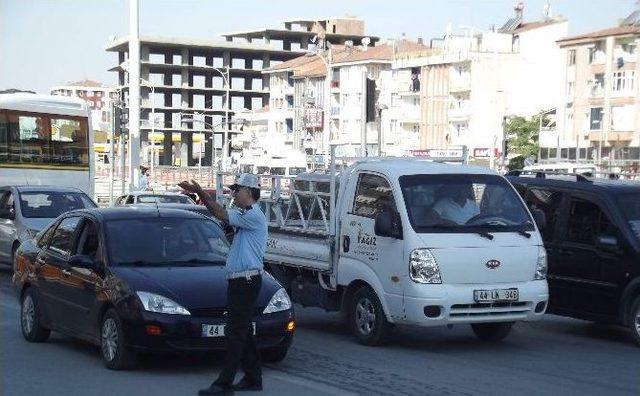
column 46, row 140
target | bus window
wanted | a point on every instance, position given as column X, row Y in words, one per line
column 277, row 170
column 69, row 142
column 263, row 170
column 246, row 168
column 27, row 140
column 41, row 139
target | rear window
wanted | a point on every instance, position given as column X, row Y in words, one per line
column 183, row 199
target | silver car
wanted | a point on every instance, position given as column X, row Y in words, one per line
column 25, row 210
column 148, row 197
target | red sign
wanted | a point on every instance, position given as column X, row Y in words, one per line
column 485, row 152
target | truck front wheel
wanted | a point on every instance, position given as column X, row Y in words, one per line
column 492, row 332
column 367, row 319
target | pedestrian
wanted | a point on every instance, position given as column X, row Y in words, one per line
column 244, row 270
column 143, row 183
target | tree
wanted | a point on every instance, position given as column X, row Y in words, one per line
column 522, row 139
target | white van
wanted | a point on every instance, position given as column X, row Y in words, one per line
column 390, row 241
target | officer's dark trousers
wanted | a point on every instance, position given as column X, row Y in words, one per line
column 241, row 345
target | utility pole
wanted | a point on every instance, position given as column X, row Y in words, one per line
column 134, row 94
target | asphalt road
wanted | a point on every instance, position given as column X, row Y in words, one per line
column 555, row 356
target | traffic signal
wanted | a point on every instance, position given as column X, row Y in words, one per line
column 120, row 121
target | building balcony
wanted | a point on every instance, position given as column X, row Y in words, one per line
column 460, row 84
column 596, row 91
column 623, row 136
column 459, row 113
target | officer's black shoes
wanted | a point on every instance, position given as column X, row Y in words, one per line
column 246, row 384
column 216, row 390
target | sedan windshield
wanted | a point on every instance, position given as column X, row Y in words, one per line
column 51, row 204
column 630, row 205
column 148, row 198
column 166, row 242
column 463, row 203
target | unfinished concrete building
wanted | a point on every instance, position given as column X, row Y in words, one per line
column 209, row 81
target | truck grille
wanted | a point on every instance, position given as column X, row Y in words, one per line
column 479, row 310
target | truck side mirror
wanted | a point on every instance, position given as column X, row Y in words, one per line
column 384, row 226
column 8, row 214
column 540, row 218
column 607, row 243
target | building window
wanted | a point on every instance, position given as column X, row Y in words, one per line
column 572, row 57
column 623, row 81
column 570, row 88
column 596, row 119
column 622, row 118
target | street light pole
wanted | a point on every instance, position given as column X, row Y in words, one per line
column 134, row 94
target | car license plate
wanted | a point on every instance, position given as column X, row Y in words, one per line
column 209, row 330
column 495, row 295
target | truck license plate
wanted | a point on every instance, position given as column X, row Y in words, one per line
column 495, row 295
column 209, row 330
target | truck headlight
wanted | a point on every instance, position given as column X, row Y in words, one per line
column 541, row 265
column 423, row 267
column 156, row 303
column 279, row 302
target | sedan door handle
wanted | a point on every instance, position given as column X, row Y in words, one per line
column 66, row 272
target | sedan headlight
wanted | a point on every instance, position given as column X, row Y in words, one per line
column 279, row 302
column 423, row 267
column 160, row 304
column 541, row 265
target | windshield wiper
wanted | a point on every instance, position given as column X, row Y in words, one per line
column 482, row 233
column 197, row 261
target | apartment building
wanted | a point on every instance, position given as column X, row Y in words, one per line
column 599, row 114
column 97, row 95
column 346, row 106
column 210, row 81
column 473, row 81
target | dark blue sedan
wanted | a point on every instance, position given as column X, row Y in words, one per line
column 139, row 279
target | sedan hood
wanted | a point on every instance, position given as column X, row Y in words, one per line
column 191, row 287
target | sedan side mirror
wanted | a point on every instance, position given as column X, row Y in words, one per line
column 607, row 243
column 83, row 261
column 540, row 218
column 9, row 214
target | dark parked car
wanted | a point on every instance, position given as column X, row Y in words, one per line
column 592, row 237
column 139, row 279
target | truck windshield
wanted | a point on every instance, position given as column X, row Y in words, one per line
column 463, row 203
column 630, row 205
column 163, row 241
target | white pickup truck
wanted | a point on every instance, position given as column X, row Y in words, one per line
column 393, row 240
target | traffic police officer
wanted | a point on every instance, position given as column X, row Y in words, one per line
column 244, row 273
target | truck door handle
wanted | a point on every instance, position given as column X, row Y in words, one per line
column 66, row 272
column 346, row 243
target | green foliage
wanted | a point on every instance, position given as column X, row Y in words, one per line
column 522, row 139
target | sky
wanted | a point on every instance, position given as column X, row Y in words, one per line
column 44, row 43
